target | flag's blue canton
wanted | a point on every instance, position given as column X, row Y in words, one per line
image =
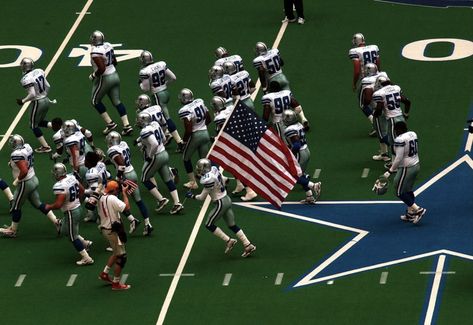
column 246, row 127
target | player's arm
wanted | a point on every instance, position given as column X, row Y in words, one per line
column 252, row 86
column 378, row 63
column 266, row 112
column 295, row 142
column 74, row 149
column 407, row 105
column 29, row 96
column 170, row 76
column 262, row 78
column 125, row 197
column 399, row 148
column 208, row 119
column 187, row 129
column 356, row 72
column 88, row 136
column 120, row 163
column 300, row 112
column 203, row 195
column 60, row 199
column 367, row 96
column 23, row 167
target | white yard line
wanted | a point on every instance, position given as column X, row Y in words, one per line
column 316, row 173
column 200, row 218
column 226, row 280
column 20, row 280
column 123, row 278
column 278, row 280
column 384, row 278
column 435, row 290
column 365, row 172
column 47, row 70
column 71, row 280
column 173, row 274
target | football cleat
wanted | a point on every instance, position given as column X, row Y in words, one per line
column 127, row 130
column 109, row 249
column 316, row 189
column 250, row 248
column 85, row 261
column 7, row 232
column 110, row 127
column 148, row 229
column 180, row 147
column 176, row 208
column 43, row 149
column 105, row 277
column 240, row 187
column 287, row 20
column 408, row 217
column 133, row 225
column 250, row 195
column 382, row 156
column 117, row 286
column 230, row 244
column 161, row 204
column 418, row 215
column 308, row 200
column 301, row 21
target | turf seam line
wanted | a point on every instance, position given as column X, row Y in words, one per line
column 71, row 280
column 278, row 280
column 20, row 280
column 226, row 279
column 384, row 278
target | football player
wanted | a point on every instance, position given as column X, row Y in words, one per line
column 105, row 81
column 6, row 189
column 276, row 102
column 222, row 56
column 242, row 84
column 214, row 186
column 68, row 191
column 269, row 65
column 96, row 178
column 154, row 79
column 35, row 83
column 74, row 143
column 58, row 137
column 27, row 184
column 221, row 84
column 295, row 136
column 195, row 117
column 156, row 159
column 120, row 155
column 362, row 54
column 406, row 164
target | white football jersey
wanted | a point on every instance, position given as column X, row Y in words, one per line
column 224, row 85
column 221, row 117
column 213, row 184
column 36, row 79
column 369, row 82
column 152, row 139
column 195, row 112
column 153, row 77
column 270, row 62
column 58, row 138
column 105, row 51
column 406, row 149
column 278, row 102
column 26, row 154
column 123, row 150
column 157, row 115
column 109, row 208
column 390, row 96
column 97, row 175
column 365, row 54
column 69, row 186
column 293, row 130
column 241, row 81
column 79, row 140
column 235, row 58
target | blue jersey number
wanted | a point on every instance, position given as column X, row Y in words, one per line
column 273, row 65
column 126, row 157
column 40, row 81
column 281, row 103
column 110, row 55
column 30, row 161
column 158, row 78
column 158, row 134
column 412, row 148
column 73, row 192
column 199, row 114
column 393, row 101
column 222, row 186
column 243, row 86
column 370, row 57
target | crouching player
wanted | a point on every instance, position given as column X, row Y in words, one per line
column 213, row 183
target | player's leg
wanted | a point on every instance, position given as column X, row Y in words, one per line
column 190, row 148
column 379, row 124
column 203, row 143
column 213, row 216
column 167, row 177
column 229, row 218
column 6, row 189
column 149, row 170
column 288, row 11
column 19, row 197
column 37, row 108
column 99, row 90
column 114, row 95
column 33, row 196
column 162, row 99
column 71, row 229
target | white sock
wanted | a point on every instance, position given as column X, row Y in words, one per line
column 82, row 240
column 191, row 177
column 50, row 125
column 175, row 197
column 311, row 184
column 308, row 193
column 14, row 226
column 153, row 180
column 176, row 136
column 130, row 218
column 51, row 216
column 125, row 120
column 220, row 234
column 106, row 117
column 242, row 237
column 413, row 208
column 154, row 192
column 84, row 253
column 8, row 194
column 42, row 141
column 383, row 148
column 147, row 223
column 106, row 269
column 370, row 118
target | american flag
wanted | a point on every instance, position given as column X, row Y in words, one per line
column 256, row 155
column 132, row 186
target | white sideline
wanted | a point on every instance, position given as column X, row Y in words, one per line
column 200, row 218
column 46, row 71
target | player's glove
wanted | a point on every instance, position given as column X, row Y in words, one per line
column 54, row 156
column 306, row 126
column 387, row 174
column 91, row 203
column 190, row 195
column 19, row 101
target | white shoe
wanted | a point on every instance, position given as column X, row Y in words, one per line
column 85, row 261
column 418, row 215
column 43, row 149
column 250, row 248
column 316, row 189
column 301, row 21
column 230, row 244
column 308, row 200
column 161, row 204
column 109, row 249
column 109, row 128
column 240, row 187
column 382, row 156
column 88, row 244
column 286, row 20
column 8, row 232
column 250, row 195
column 191, row 185
column 176, row 208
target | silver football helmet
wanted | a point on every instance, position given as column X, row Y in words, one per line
column 371, row 69
column 218, row 103
column 16, row 141
column 289, row 117
column 143, row 119
column 69, row 128
column 59, row 170
column 186, row 96
column 380, row 82
column 99, row 152
column 146, row 58
column 202, row 167
column 221, row 52
column 143, row 101
column 215, row 72
column 113, row 138
column 97, row 38
column 261, row 49
column 358, row 39
column 229, row 68
column 26, row 65
column 380, row 187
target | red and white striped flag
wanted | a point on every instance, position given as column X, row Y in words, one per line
column 256, row 155
column 132, row 186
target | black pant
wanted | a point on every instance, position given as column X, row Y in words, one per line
column 288, row 8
